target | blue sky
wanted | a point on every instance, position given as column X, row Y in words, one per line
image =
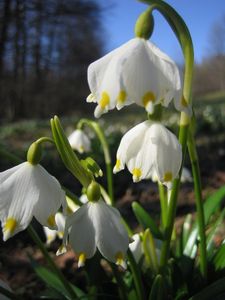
column 199, row 15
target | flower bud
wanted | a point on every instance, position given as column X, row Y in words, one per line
column 93, row 191
column 34, row 153
column 144, row 25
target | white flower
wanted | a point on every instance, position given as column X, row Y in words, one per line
column 186, row 175
column 60, row 220
column 97, row 225
column 136, row 247
column 147, row 148
column 79, row 141
column 137, row 72
column 25, row 191
column 51, row 234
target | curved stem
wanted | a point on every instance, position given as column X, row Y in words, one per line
column 183, row 35
column 99, row 132
column 199, row 203
column 51, row 263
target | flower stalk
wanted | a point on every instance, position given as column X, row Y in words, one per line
column 100, row 134
column 183, row 35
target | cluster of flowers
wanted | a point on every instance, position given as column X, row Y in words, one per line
column 137, row 72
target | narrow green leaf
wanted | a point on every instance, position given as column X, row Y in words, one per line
column 145, row 220
column 213, row 203
column 157, row 289
column 52, row 281
column 219, row 258
column 213, row 232
column 211, row 291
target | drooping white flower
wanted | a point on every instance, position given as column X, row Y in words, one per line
column 136, row 72
column 147, row 148
column 97, row 225
column 79, row 141
column 51, row 234
column 25, row 191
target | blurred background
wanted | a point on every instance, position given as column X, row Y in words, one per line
column 46, row 46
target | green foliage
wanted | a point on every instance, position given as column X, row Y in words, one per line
column 53, row 282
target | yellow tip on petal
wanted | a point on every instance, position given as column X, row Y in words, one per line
column 81, row 260
column 104, row 101
column 148, row 97
column 81, row 149
column 9, row 228
column 117, row 166
column 120, row 260
column 183, row 102
column 51, row 221
column 62, row 249
column 136, row 174
column 121, row 97
column 168, row 176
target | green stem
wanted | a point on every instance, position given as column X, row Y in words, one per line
column 183, row 35
column 100, row 134
column 199, row 203
column 136, row 276
column 163, row 204
column 51, row 263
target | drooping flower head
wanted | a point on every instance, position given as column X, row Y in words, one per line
column 79, row 141
column 137, row 72
column 150, row 148
column 25, row 191
column 97, row 225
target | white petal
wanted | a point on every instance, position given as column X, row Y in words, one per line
column 18, row 195
column 79, row 141
column 82, row 234
column 130, row 145
column 111, row 236
column 50, row 235
column 168, row 154
column 181, row 104
column 186, row 175
column 136, row 247
column 51, row 197
column 149, row 74
column 144, row 160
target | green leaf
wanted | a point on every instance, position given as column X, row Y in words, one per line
column 213, row 231
column 145, row 220
column 52, row 281
column 215, row 289
column 157, row 289
column 213, row 203
column 219, row 258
